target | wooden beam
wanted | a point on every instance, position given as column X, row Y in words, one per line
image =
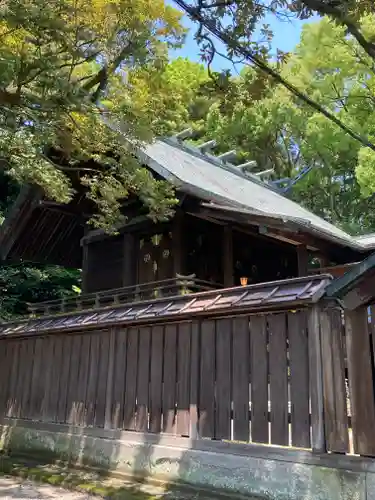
column 303, row 260
column 228, row 256
column 132, row 225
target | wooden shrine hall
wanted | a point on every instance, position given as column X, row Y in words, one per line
column 229, row 228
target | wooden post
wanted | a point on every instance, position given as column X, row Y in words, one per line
column 129, row 260
column 85, row 267
column 177, row 243
column 303, row 260
column 228, row 256
column 360, row 381
column 318, row 443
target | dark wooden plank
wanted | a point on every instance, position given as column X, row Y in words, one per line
column 157, row 345
column 241, row 378
column 102, row 378
column 259, row 379
column 169, row 379
column 36, row 383
column 131, row 379
column 129, row 262
column 143, row 380
column 110, row 379
column 12, row 401
column 316, row 380
column 207, row 380
column 278, row 379
column 56, row 375
column 194, row 379
column 85, row 268
column 64, row 379
column 228, row 256
column 303, row 260
column 119, row 379
column 299, row 379
column 360, row 381
column 335, row 411
column 21, row 377
column 72, row 395
column 26, row 398
column 178, row 243
column 82, row 381
column 183, row 378
column 92, row 378
column 223, row 379
column 5, row 353
column 48, row 352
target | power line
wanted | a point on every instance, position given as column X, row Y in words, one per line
column 196, row 15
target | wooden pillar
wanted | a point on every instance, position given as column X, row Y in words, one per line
column 129, row 260
column 228, row 257
column 177, row 244
column 85, row 262
column 303, row 260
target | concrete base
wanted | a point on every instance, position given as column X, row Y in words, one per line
column 268, row 472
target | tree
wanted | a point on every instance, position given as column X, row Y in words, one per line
column 265, row 123
column 58, row 61
column 234, row 23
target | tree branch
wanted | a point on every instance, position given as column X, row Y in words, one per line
column 329, row 10
column 210, row 25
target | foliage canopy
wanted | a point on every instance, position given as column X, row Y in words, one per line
column 58, row 60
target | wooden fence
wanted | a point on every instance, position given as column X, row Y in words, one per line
column 349, row 382
column 302, row 378
column 245, row 378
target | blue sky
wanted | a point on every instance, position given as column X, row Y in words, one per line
column 286, row 36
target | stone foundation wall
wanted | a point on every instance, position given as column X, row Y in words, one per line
column 265, row 472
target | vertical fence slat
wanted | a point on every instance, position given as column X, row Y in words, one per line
column 360, row 381
column 143, row 380
column 183, row 379
column 316, row 380
column 25, row 412
column 5, row 367
column 36, row 384
column 71, row 400
column 299, row 379
column 48, row 351
column 83, row 379
column 194, row 379
column 223, row 379
column 93, row 378
column 110, row 378
column 156, row 376
column 64, row 379
column 131, row 379
column 20, row 378
column 169, row 379
column 12, row 402
column 241, row 378
column 119, row 379
column 101, row 394
column 56, row 375
column 335, row 411
column 207, row 380
column 278, row 379
column 259, row 379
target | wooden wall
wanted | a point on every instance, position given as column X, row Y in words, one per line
column 104, row 264
column 245, row 378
